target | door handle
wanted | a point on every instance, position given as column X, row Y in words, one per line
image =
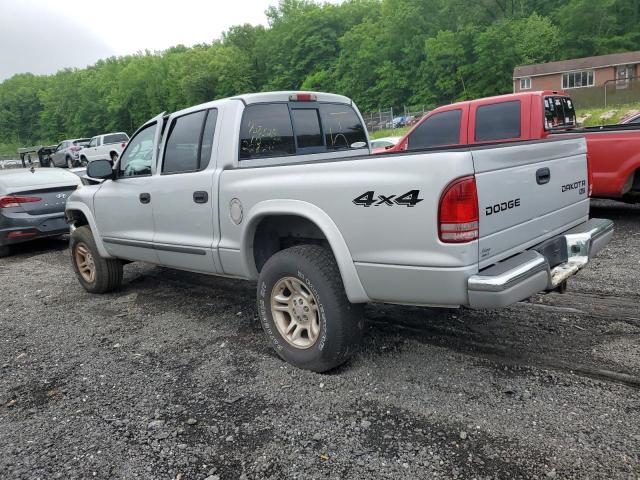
column 145, row 198
column 200, row 197
column 543, row 175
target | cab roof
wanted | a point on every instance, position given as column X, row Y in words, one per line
column 285, row 96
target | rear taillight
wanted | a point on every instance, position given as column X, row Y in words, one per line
column 458, row 213
column 589, row 176
column 15, row 200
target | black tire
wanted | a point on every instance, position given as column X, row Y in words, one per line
column 83, row 161
column 70, row 162
column 108, row 271
column 341, row 322
column 5, row 250
column 114, row 158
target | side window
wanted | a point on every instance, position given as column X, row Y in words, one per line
column 136, row 159
column 181, row 152
column 499, row 121
column 207, row 138
column 342, row 127
column 92, row 143
column 306, row 124
column 266, row 131
column 438, row 130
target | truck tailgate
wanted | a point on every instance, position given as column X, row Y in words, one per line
column 528, row 192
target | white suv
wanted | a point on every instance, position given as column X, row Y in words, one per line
column 107, row 146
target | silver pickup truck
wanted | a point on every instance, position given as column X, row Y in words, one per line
column 281, row 188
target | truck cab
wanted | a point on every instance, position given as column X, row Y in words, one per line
column 614, row 150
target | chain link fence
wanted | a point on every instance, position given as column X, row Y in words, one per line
column 393, row 119
column 614, row 93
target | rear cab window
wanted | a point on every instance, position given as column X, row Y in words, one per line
column 559, row 112
column 115, row 138
column 290, row 129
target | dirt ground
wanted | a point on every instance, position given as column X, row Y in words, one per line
column 171, row 377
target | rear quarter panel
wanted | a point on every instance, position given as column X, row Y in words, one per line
column 614, row 156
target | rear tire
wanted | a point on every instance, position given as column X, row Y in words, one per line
column 304, row 309
column 95, row 273
column 5, row 251
column 69, row 162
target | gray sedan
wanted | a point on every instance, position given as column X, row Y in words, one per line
column 32, row 204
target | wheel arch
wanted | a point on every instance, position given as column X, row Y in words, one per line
column 79, row 214
column 310, row 215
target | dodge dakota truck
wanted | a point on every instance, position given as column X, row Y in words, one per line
column 281, row 188
column 614, row 150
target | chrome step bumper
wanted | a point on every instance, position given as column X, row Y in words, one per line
column 530, row 272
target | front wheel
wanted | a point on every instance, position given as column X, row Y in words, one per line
column 114, row 158
column 96, row 274
column 83, row 161
column 304, row 309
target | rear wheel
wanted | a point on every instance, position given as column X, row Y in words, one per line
column 69, row 162
column 5, row 250
column 95, row 273
column 304, row 309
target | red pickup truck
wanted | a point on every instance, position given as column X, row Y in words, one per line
column 613, row 150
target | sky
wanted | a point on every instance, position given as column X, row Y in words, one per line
column 43, row 37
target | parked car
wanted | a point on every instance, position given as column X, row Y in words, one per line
column 106, row 146
column 32, row 204
column 379, row 145
column 397, row 122
column 227, row 188
column 635, row 118
column 66, row 153
column 614, row 150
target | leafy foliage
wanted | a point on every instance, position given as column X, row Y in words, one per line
column 379, row 52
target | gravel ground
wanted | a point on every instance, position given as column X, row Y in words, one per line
column 172, row 378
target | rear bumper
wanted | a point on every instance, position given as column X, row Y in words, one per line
column 531, row 272
column 26, row 228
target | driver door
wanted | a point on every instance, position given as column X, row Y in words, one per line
column 58, row 156
column 123, row 206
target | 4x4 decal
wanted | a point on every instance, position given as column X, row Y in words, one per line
column 409, row 199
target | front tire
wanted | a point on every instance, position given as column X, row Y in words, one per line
column 95, row 273
column 304, row 309
column 114, row 158
column 83, row 161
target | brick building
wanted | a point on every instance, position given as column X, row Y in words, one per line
column 581, row 73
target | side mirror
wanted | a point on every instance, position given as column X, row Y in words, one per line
column 101, row 169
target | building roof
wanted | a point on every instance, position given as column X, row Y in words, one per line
column 576, row 64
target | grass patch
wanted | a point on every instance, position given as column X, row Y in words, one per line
column 392, row 132
column 618, row 112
